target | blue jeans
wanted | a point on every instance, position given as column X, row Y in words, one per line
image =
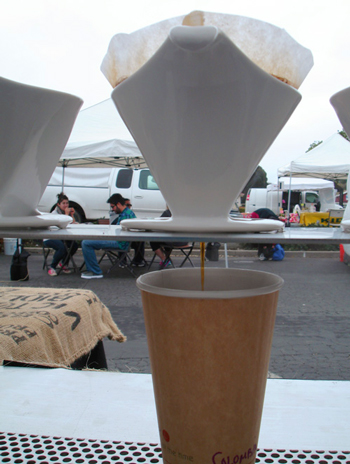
column 89, row 247
column 61, row 252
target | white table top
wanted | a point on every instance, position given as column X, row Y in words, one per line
column 299, row 235
column 298, row 414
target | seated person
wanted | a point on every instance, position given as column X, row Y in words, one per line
column 117, row 203
column 139, row 255
column 158, row 247
column 138, row 247
column 61, row 247
column 264, row 213
column 265, row 252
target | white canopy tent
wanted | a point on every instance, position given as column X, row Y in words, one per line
column 329, row 160
column 301, row 183
column 100, row 137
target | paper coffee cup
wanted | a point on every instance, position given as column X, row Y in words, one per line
column 209, row 353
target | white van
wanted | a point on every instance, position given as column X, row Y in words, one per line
column 263, row 198
column 323, row 199
column 88, row 190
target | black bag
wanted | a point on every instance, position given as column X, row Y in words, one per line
column 19, row 267
column 212, row 251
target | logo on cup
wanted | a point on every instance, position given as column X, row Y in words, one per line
column 166, row 436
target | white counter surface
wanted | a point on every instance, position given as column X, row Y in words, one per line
column 301, row 235
column 298, row 414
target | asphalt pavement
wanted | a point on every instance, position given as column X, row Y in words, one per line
column 311, row 337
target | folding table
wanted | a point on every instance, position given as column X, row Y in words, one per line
column 89, row 417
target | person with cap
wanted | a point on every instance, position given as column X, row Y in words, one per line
column 93, row 270
column 139, row 247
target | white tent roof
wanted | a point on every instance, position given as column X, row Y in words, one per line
column 99, row 136
column 301, row 183
column 329, row 160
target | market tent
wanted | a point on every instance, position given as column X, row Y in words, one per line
column 324, row 187
column 100, row 137
column 329, row 160
column 301, row 183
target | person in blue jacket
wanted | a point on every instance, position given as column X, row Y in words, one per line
column 117, row 203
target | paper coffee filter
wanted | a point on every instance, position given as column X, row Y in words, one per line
column 218, row 283
column 268, row 46
column 128, row 52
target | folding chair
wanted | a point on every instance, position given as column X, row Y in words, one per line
column 186, row 249
column 167, row 252
column 118, row 257
column 46, row 252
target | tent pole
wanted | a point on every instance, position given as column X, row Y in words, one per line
column 289, row 192
column 278, row 195
column 63, row 168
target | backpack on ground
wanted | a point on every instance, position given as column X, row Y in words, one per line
column 19, row 266
column 278, row 253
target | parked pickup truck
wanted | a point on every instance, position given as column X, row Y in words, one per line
column 88, row 190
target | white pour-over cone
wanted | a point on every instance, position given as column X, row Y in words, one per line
column 35, row 126
column 341, row 104
column 203, row 116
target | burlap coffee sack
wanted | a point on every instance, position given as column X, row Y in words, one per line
column 52, row 327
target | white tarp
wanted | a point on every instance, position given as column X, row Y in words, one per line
column 329, row 160
column 81, row 176
column 99, row 136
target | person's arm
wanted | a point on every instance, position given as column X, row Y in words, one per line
column 70, row 212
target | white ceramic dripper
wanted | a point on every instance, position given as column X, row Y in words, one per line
column 203, row 115
column 341, row 104
column 35, row 126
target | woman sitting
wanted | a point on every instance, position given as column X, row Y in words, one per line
column 60, row 256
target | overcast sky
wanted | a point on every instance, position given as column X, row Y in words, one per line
column 60, row 44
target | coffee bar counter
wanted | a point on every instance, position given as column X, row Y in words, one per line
column 79, row 416
column 298, row 235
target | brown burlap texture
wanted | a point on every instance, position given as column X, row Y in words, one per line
column 52, row 327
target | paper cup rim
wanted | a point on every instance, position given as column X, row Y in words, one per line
column 222, row 283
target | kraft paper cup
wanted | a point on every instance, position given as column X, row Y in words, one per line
column 209, row 352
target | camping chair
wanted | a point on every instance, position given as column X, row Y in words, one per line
column 46, row 253
column 119, row 258
column 186, row 249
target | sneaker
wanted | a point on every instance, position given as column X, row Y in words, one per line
column 52, row 272
column 65, row 269
column 164, row 264
column 123, row 263
column 262, row 257
column 91, row 275
column 167, row 263
column 141, row 264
